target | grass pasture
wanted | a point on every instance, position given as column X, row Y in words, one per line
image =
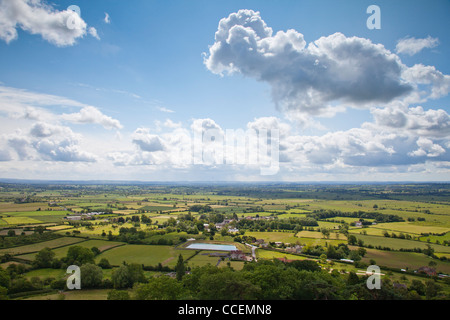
column 269, row 254
column 403, row 260
column 285, row 237
column 397, row 244
column 93, row 294
column 319, row 235
column 149, row 255
column 26, row 249
column 409, row 227
column 21, row 220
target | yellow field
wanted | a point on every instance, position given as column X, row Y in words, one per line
column 319, row 235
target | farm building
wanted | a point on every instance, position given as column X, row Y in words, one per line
column 427, row 270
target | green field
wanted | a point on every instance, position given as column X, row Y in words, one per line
column 20, row 220
column 408, row 227
column 269, row 254
column 64, row 241
column 61, row 252
column 35, row 213
column 397, row 244
column 93, row 294
column 285, row 237
column 319, row 235
column 403, row 260
column 287, row 203
column 149, row 255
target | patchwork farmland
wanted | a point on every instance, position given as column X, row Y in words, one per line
column 148, row 227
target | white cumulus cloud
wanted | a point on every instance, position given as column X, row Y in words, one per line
column 315, row 79
column 61, row 28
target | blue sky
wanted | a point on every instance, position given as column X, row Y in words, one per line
column 126, row 91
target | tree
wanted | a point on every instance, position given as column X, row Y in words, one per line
column 352, row 240
column 308, row 265
column 5, row 279
column 160, row 288
column 136, row 272
column 362, row 252
column 121, row 278
column 78, row 255
column 96, row 251
column 180, row 268
column 11, row 233
column 354, row 255
column 431, row 289
column 352, row 278
column 44, row 258
column 418, row 286
column 3, row 293
column 104, row 264
column 91, row 276
column 432, row 264
column 325, row 232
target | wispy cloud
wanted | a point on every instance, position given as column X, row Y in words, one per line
column 23, row 104
column 107, row 19
column 164, row 109
column 411, row 46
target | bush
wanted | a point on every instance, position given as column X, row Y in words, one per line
column 58, row 284
column 118, row 295
column 104, row 264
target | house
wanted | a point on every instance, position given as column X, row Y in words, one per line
column 239, row 255
column 427, row 270
column 358, row 224
column 220, row 225
column 73, row 218
column 295, row 249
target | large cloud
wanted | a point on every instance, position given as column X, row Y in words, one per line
column 436, row 83
column 61, row 28
column 307, row 78
column 48, row 142
column 430, row 123
column 147, row 141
